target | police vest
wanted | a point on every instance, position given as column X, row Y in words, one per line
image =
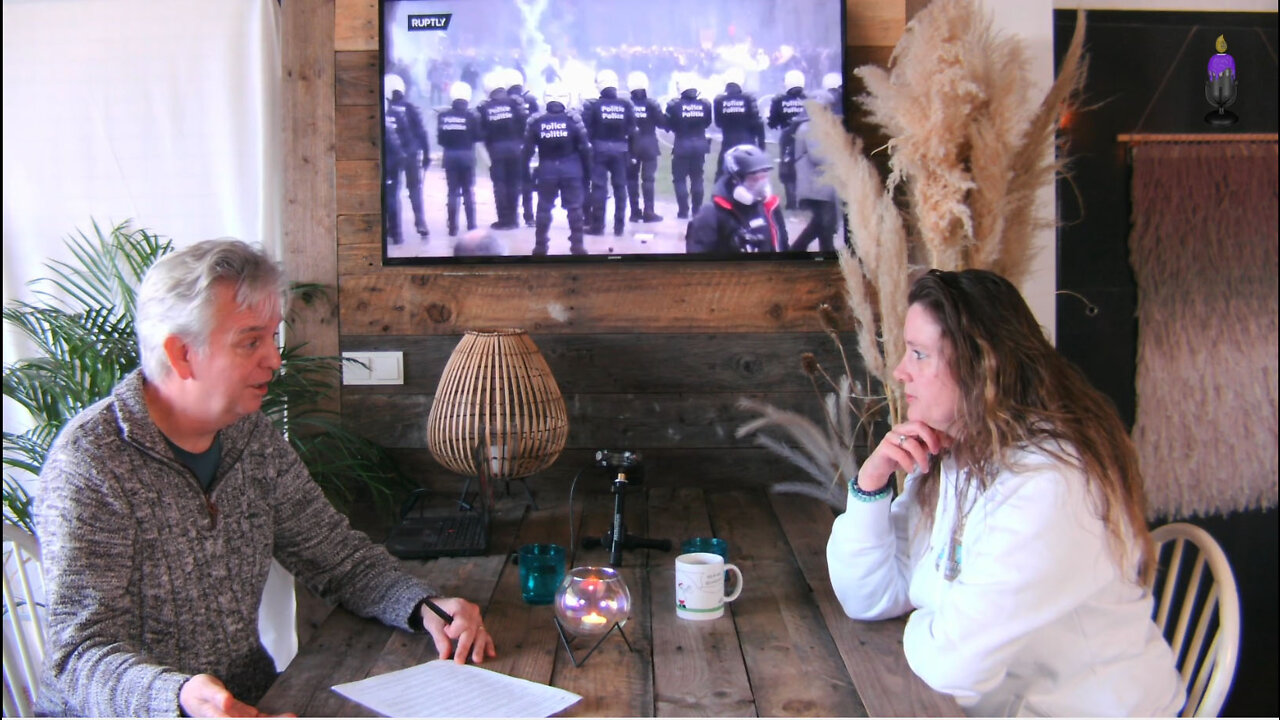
column 556, row 135
column 646, row 117
column 609, row 120
column 689, row 116
column 500, row 121
column 456, row 130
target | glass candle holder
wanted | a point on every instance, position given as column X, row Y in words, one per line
column 591, row 600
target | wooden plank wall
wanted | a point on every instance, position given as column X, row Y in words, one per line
column 650, row 356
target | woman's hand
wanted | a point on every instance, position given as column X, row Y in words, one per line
column 907, row 446
column 467, row 629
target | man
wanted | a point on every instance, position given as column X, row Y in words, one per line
column 392, row 157
column 737, row 116
column 501, row 127
column 784, row 109
column 415, row 151
column 610, row 122
column 564, row 158
column 643, row 167
column 161, row 507
column 458, row 131
column 743, row 215
column 688, row 116
column 526, row 104
column 816, row 193
column 833, row 83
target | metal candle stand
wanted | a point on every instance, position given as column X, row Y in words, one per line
column 564, row 640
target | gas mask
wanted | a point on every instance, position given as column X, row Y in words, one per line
column 752, row 190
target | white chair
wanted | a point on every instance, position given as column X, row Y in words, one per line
column 1191, row 608
column 25, row 620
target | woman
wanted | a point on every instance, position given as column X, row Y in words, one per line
column 1019, row 539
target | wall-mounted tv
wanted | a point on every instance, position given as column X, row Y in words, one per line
column 635, row 192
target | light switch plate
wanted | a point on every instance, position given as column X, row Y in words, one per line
column 380, row 368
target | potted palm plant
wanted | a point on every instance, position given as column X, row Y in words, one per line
column 81, row 324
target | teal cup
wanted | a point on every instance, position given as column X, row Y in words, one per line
column 541, row 570
column 707, row 545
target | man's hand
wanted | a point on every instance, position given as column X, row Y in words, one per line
column 206, row 696
column 467, row 629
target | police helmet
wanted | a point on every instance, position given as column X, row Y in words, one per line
column 392, row 83
column 495, row 80
column 742, row 160
column 459, row 91
column 557, row 92
column 831, row 81
column 514, row 77
column 637, row 80
column 735, row 75
column 793, row 79
column 606, row 79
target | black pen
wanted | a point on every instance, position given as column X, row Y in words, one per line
column 439, row 611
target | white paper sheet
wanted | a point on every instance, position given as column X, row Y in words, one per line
column 445, row 689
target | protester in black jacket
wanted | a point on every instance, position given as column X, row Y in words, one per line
column 743, row 215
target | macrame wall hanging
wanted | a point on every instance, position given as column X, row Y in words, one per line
column 1204, row 252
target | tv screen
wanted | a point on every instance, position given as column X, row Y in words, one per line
column 613, row 146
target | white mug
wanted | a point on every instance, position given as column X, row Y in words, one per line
column 700, row 582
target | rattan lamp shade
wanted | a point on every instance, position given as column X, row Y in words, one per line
column 498, row 393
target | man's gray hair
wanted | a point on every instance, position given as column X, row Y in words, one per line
column 177, row 296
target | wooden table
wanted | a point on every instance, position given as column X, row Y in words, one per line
column 784, row 648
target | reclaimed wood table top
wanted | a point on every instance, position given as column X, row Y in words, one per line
column 783, row 648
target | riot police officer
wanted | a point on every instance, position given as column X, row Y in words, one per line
column 643, row 167
column 737, row 116
column 782, row 112
column 415, row 150
column 833, row 83
column 501, row 126
column 688, row 117
column 743, row 215
column 458, row 131
column 529, row 107
column 392, row 159
column 610, row 122
column 564, row 158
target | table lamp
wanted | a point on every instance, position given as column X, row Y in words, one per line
column 591, row 602
column 497, row 394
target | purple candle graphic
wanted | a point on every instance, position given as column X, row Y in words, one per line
column 1220, row 88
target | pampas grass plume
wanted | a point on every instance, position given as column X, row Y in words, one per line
column 968, row 155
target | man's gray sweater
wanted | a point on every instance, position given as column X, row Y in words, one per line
column 150, row 580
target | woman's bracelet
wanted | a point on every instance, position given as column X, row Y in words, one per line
column 865, row 496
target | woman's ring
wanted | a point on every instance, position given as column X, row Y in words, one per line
column 901, row 439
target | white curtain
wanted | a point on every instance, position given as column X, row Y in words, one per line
column 165, row 112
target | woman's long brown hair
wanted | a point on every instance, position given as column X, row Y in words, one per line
column 1017, row 391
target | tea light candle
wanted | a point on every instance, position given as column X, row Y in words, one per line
column 591, row 599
